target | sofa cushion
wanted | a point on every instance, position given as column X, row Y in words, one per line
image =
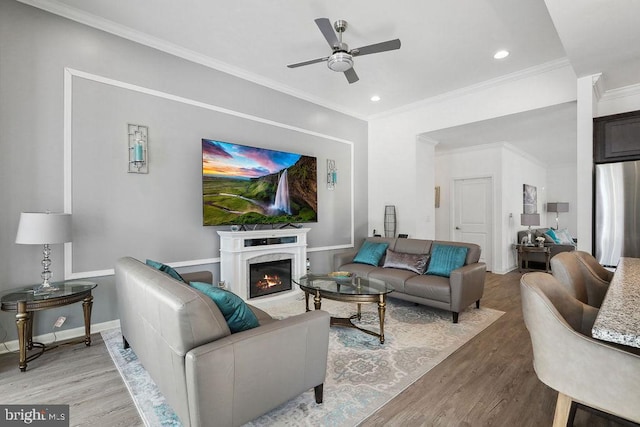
column 370, row 253
column 445, row 259
column 412, row 246
column 165, row 269
column 392, row 276
column 434, row 288
column 553, row 236
column 412, row 262
column 236, row 312
column 564, row 236
column 360, row 270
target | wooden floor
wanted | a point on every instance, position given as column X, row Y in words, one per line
column 82, row 377
column 488, row 382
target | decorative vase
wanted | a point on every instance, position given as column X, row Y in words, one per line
column 390, row 221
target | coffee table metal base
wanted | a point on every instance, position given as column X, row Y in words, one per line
column 347, row 322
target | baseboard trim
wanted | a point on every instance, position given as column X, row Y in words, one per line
column 67, row 334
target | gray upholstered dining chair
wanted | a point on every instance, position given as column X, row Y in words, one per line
column 581, row 283
column 593, row 266
column 565, row 357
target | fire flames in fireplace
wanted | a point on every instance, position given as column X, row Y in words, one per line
column 269, row 277
column 268, row 281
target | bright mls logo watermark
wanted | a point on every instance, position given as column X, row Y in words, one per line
column 34, row 415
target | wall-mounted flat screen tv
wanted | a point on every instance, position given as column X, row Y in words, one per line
column 249, row 185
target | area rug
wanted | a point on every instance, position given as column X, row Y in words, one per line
column 362, row 374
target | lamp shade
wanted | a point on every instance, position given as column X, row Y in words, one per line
column 40, row 228
column 558, row 207
column 530, row 219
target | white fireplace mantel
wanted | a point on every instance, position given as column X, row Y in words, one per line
column 239, row 249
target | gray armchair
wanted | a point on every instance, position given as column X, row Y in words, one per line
column 581, row 282
column 593, row 267
column 565, row 357
column 209, row 376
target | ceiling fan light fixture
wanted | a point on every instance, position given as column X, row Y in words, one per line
column 340, row 61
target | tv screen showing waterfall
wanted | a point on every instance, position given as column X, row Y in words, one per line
column 249, row 185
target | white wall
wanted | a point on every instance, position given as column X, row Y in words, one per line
column 518, row 169
column 563, row 187
column 475, row 162
column 393, row 144
column 509, row 169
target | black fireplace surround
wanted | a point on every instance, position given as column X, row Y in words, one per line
column 266, row 278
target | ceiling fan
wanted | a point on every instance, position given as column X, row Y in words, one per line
column 341, row 60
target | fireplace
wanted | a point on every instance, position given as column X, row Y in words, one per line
column 239, row 250
column 266, row 278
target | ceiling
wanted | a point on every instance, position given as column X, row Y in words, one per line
column 445, row 45
column 543, row 134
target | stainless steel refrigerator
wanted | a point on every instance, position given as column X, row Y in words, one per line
column 617, row 216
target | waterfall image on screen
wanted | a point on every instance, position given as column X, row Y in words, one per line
column 250, row 185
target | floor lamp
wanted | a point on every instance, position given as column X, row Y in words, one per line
column 557, row 207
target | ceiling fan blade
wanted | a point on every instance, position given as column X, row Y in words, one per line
column 327, row 31
column 351, row 75
column 375, row 48
column 312, row 61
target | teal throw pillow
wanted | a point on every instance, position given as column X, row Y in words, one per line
column 165, row 268
column 445, row 259
column 370, row 253
column 552, row 234
column 236, row 312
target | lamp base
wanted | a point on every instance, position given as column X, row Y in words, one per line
column 45, row 288
column 42, row 289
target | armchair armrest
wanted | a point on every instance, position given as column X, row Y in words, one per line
column 467, row 285
column 235, row 379
column 343, row 258
column 198, row 276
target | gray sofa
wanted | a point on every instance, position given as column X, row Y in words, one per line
column 209, row 376
column 455, row 293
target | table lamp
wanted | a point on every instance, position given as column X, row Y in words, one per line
column 529, row 219
column 557, row 207
column 44, row 228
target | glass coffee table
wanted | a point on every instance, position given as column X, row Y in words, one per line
column 347, row 289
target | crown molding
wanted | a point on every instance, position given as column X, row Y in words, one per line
column 427, row 140
column 57, row 8
column 596, row 82
column 623, row 92
column 507, row 78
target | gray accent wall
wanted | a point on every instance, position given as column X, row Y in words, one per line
column 67, row 92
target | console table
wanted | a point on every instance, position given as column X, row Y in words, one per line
column 525, row 250
column 24, row 302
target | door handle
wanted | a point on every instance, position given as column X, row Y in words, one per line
column 457, row 228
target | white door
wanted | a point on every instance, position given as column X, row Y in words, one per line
column 472, row 215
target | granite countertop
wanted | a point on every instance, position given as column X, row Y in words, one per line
column 618, row 320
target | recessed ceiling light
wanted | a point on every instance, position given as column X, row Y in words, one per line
column 375, row 98
column 501, row 54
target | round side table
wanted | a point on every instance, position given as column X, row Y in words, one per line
column 25, row 302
